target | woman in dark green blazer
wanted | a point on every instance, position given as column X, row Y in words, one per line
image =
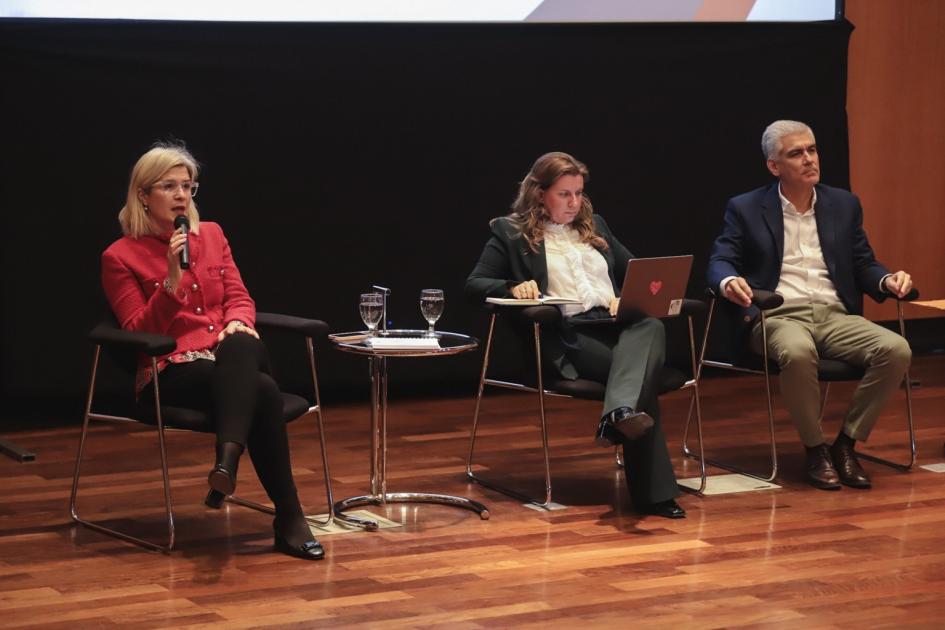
column 552, row 244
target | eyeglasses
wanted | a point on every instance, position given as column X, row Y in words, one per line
column 169, row 187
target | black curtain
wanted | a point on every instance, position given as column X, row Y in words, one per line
column 341, row 155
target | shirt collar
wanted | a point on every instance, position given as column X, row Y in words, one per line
column 788, row 208
column 555, row 228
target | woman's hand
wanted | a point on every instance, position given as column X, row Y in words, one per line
column 614, row 305
column 528, row 290
column 236, row 327
column 178, row 239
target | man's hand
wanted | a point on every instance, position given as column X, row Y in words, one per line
column 528, row 290
column 899, row 283
column 738, row 291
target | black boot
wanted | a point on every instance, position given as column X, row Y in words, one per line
column 222, row 477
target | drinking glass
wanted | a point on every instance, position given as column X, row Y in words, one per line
column 431, row 306
column 372, row 309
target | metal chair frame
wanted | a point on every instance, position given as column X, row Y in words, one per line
column 547, row 504
column 766, row 373
column 168, row 546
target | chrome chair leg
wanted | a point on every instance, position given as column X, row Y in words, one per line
column 695, row 404
column 909, row 418
column 544, row 418
column 483, row 381
column 773, row 453
column 323, row 440
column 73, row 510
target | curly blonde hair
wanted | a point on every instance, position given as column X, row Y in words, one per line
column 528, row 212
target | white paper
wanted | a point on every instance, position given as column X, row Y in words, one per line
column 404, row 343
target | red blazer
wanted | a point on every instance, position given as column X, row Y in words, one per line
column 210, row 295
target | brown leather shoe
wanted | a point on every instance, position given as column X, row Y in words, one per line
column 847, row 466
column 820, row 471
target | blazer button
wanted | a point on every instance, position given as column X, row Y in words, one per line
column 747, row 318
column 194, row 287
column 157, row 284
column 199, row 310
column 210, row 327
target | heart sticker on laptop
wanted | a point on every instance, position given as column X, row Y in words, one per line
column 655, row 286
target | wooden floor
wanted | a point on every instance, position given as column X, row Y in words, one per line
column 795, row 557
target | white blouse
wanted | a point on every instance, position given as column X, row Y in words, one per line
column 575, row 270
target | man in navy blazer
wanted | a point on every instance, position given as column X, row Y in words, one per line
column 806, row 241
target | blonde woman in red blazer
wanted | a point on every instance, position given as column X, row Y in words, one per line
column 219, row 366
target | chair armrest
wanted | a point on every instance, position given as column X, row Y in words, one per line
column 543, row 314
column 909, row 297
column 692, row 307
column 109, row 335
column 314, row 328
column 766, row 300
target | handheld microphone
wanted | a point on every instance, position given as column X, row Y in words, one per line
column 181, row 222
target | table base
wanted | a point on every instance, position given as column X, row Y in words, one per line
column 403, row 497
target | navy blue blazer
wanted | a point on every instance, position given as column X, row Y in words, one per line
column 752, row 245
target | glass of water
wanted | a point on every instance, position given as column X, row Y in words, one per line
column 431, row 306
column 372, row 309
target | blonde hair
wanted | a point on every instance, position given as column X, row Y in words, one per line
column 150, row 168
column 528, row 212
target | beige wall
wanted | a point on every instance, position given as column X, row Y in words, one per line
column 896, row 107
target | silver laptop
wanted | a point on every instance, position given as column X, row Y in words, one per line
column 654, row 286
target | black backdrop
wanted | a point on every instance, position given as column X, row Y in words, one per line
column 340, row 155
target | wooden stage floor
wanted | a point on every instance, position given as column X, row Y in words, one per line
column 794, row 557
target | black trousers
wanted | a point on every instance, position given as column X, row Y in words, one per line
column 628, row 358
column 239, row 393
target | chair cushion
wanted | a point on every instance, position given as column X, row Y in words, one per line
column 193, row 420
column 828, row 370
column 579, row 388
column 670, row 380
column 833, row 370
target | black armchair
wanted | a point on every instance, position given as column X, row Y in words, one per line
column 526, row 323
column 124, row 346
column 733, row 354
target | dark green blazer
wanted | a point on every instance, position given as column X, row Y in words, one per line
column 507, row 261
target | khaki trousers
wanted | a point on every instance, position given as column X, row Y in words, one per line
column 800, row 333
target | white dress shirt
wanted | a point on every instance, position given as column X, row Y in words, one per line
column 575, row 270
column 804, row 276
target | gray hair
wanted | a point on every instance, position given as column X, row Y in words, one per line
column 771, row 144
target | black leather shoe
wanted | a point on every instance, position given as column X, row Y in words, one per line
column 214, row 499
column 666, row 509
column 820, row 471
column 222, row 477
column 848, row 467
column 309, row 550
column 630, row 424
column 607, row 434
